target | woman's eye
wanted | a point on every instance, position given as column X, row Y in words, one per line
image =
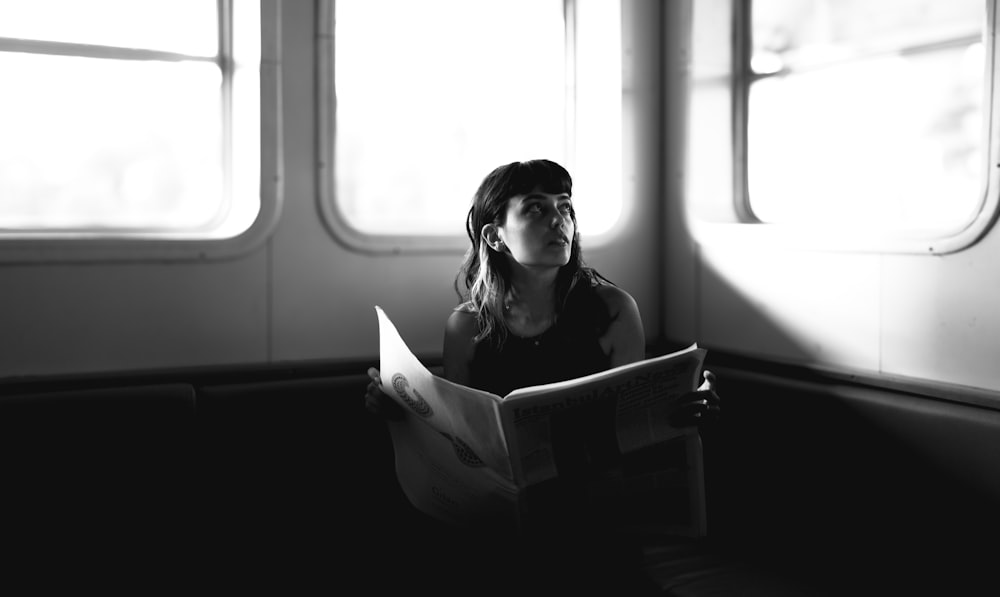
column 534, row 208
column 566, row 208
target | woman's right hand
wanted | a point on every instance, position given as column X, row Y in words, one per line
column 377, row 402
column 699, row 407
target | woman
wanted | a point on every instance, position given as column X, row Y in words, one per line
column 533, row 312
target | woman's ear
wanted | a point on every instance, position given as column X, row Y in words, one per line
column 491, row 236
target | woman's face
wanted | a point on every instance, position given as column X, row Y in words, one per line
column 539, row 229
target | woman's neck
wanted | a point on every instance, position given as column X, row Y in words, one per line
column 531, row 308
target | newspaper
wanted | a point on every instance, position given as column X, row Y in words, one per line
column 466, row 456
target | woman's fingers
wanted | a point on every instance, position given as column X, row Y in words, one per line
column 687, row 414
column 696, row 408
column 378, row 403
column 371, row 398
column 709, row 381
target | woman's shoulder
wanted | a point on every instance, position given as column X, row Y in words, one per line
column 615, row 298
column 466, row 307
column 624, row 340
column 460, row 334
column 463, row 321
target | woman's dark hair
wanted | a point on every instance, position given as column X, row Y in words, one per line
column 483, row 281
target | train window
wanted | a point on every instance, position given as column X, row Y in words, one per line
column 422, row 99
column 863, row 113
column 129, row 121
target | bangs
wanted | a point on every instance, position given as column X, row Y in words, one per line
column 544, row 175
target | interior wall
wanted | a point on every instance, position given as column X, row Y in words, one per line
column 74, row 318
column 302, row 294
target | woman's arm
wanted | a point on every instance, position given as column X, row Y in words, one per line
column 459, row 346
column 625, row 343
column 625, row 340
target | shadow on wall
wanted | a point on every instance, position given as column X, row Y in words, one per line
column 828, row 476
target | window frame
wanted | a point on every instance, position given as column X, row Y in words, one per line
column 723, row 216
column 128, row 246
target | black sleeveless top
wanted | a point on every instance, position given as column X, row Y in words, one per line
column 568, row 349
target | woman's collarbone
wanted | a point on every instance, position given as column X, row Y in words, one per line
column 528, row 328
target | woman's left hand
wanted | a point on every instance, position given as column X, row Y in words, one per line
column 698, row 407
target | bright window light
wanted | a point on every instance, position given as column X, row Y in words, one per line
column 121, row 119
column 431, row 96
column 867, row 113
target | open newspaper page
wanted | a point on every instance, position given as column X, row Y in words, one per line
column 450, row 451
column 557, row 426
column 468, row 456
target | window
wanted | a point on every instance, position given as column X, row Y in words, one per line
column 422, row 99
column 129, row 120
column 866, row 114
